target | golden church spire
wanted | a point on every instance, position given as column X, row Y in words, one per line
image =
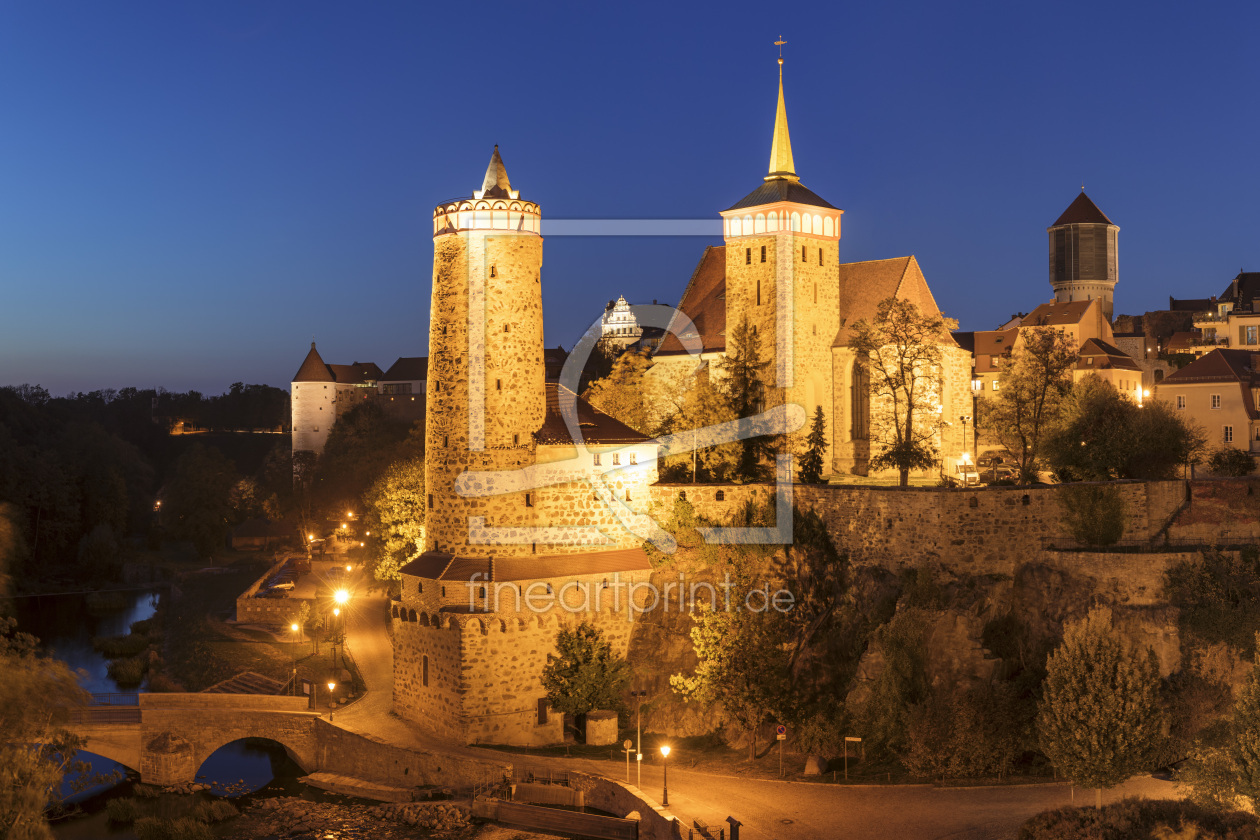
column 781, row 165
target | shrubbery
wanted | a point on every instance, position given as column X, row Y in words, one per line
column 185, row 828
column 128, row 672
column 120, row 647
column 1218, row 596
column 214, row 811
column 123, row 811
column 1144, row 818
column 1093, row 512
column 1231, row 461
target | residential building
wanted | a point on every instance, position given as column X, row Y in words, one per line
column 1220, row 392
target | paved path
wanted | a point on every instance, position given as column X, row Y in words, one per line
column 768, row 809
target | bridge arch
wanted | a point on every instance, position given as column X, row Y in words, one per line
column 256, row 760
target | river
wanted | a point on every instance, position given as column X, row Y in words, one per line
column 66, row 627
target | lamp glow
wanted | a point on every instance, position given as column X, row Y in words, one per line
column 293, row 627
column 341, row 596
column 665, row 751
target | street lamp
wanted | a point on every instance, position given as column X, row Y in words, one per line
column 665, row 764
column 638, row 735
column 331, row 686
column 294, row 627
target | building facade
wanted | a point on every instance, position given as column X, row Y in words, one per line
column 1084, row 262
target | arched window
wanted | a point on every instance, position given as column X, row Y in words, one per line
column 772, row 222
column 721, row 495
column 796, row 221
column 411, row 615
column 827, row 227
column 859, row 403
column 806, row 225
column 760, row 225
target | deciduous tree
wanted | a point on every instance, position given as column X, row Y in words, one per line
column 1100, row 716
column 1036, row 378
column 900, row 348
column 627, row 393
column 395, row 508
column 584, row 675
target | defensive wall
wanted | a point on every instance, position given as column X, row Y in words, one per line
column 251, row 609
column 176, row 733
column 988, row 529
column 475, row 676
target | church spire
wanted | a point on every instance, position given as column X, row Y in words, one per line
column 781, row 165
column 496, row 183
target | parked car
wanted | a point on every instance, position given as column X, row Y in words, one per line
column 271, row 593
column 287, row 585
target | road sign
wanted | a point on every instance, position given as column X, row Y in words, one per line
column 628, row 744
column 781, row 732
column 851, row 738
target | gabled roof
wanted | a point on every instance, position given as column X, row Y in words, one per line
column 1105, row 356
column 407, row 369
column 433, row 565
column 313, row 369
column 864, row 284
column 1217, row 366
column 1082, row 211
column 780, row 189
column 1243, row 289
column 1181, row 342
column 704, row 302
column 356, row 373
column 594, row 425
column 1055, row 314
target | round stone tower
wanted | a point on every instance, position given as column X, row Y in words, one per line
column 486, row 388
column 1083, row 261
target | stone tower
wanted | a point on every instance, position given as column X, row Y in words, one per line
column 782, row 277
column 314, row 391
column 1083, row 260
column 486, row 388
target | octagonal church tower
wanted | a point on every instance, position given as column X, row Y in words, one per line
column 486, row 388
column 782, row 277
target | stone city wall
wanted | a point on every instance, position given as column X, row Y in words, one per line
column 627, row 801
column 253, row 610
column 985, row 529
column 351, row 754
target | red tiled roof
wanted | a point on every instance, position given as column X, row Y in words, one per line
column 704, row 302
column 1055, row 314
column 407, row 369
column 1180, row 342
column 1217, row 366
column 313, row 369
column 1082, row 211
column 358, row 373
column 434, row 565
column 1105, row 356
column 864, row 284
column 594, row 425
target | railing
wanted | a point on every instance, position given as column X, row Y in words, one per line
column 115, row 699
column 105, row 714
column 543, row 775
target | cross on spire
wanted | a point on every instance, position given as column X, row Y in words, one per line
column 779, row 43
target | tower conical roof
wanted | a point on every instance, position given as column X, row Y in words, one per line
column 1082, row 211
column 496, row 183
column 313, row 369
column 781, row 164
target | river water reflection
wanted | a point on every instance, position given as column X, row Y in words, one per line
column 66, row 627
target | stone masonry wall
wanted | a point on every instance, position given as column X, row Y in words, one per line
column 253, row 610
column 351, row 754
column 438, row 705
column 979, row 529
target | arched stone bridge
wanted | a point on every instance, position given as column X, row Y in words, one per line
column 168, row 736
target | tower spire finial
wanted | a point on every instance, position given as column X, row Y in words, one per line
column 781, row 164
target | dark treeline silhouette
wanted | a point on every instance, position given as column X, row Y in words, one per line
column 81, row 474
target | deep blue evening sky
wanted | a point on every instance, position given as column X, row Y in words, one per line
column 190, row 190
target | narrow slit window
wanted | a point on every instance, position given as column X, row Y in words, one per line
column 820, row 256
column 804, row 255
column 763, row 253
column 529, row 500
column 492, row 272
column 748, row 256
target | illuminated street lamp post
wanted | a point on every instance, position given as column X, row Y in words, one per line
column 341, row 597
column 336, row 615
column 665, row 765
column 331, row 686
column 294, row 627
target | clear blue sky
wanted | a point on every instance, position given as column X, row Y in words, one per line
column 189, row 191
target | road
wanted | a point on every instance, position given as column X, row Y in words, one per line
column 767, row 809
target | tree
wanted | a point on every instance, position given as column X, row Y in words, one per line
column 811, row 466
column 1232, row 462
column 627, row 393
column 1035, row 379
column 701, row 405
column 395, row 510
column 198, row 498
column 1102, row 435
column 1224, row 775
column 584, row 675
column 740, row 665
column 1100, row 716
column 900, row 349
column 743, row 374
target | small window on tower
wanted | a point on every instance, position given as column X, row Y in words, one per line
column 763, row 253
column 507, row 327
column 498, row 384
column 516, row 439
column 748, row 256
column 596, row 459
column 446, row 440
column 492, row 272
column 804, row 256
column 529, row 500
column 430, row 501
column 820, row 256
